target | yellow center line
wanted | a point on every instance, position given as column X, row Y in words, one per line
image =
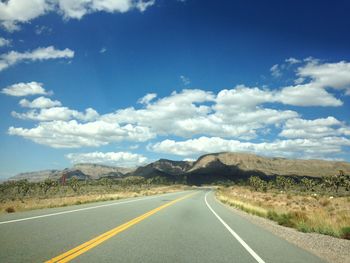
column 75, row 252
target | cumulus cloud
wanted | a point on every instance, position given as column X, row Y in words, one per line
column 124, row 159
column 72, row 134
column 206, row 121
column 42, row 53
column 15, row 12
column 56, row 113
column 307, row 95
column 300, row 148
column 313, row 81
column 189, row 112
column 40, row 102
column 327, row 75
column 25, row 89
column 4, row 42
column 163, row 115
column 317, row 128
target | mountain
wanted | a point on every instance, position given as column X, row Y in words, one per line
column 96, row 171
column 207, row 169
column 234, row 166
column 81, row 171
column 37, row 176
column 272, row 166
column 172, row 170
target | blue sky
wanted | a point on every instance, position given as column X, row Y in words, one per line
column 126, row 82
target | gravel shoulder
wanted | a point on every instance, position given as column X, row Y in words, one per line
column 330, row 249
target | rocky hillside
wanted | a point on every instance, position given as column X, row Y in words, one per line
column 81, row 171
column 95, row 171
column 173, row 170
column 272, row 166
column 37, row 176
column 233, row 166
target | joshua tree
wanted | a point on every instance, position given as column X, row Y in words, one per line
column 308, row 184
column 74, row 184
column 332, row 182
column 284, row 183
column 23, row 187
column 107, row 182
column 46, row 185
column 257, row 183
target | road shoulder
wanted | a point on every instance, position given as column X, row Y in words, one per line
column 330, row 249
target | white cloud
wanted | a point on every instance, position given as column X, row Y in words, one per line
column 185, row 80
column 307, row 95
column 147, row 98
column 103, row 50
column 57, row 113
column 15, row 12
column 123, row 159
column 234, row 113
column 25, row 89
column 318, row 128
column 242, row 97
column 300, row 148
column 39, row 30
column 71, row 134
column 40, row 102
column 221, row 120
column 39, row 54
column 276, row 71
column 4, row 42
column 143, row 5
column 322, row 78
column 327, row 75
column 292, row 61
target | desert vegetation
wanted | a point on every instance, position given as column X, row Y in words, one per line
column 24, row 195
column 309, row 205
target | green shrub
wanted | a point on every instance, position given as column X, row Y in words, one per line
column 345, row 232
column 281, row 219
column 326, row 231
column 303, row 227
column 285, row 220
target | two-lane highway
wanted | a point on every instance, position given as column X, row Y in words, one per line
column 187, row 226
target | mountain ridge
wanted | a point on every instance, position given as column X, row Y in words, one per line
column 206, row 169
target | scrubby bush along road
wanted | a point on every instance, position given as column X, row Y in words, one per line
column 309, row 205
column 24, row 195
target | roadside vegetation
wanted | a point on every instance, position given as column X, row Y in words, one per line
column 308, row 205
column 23, row 195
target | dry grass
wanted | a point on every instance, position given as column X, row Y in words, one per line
column 11, row 206
column 305, row 212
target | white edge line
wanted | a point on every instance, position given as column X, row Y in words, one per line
column 234, row 234
column 82, row 209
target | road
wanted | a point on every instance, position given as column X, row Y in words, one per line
column 190, row 226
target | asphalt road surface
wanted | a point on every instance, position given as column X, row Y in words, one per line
column 188, row 226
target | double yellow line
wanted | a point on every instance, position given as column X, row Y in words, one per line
column 75, row 252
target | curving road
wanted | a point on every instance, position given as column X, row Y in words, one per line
column 187, row 226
